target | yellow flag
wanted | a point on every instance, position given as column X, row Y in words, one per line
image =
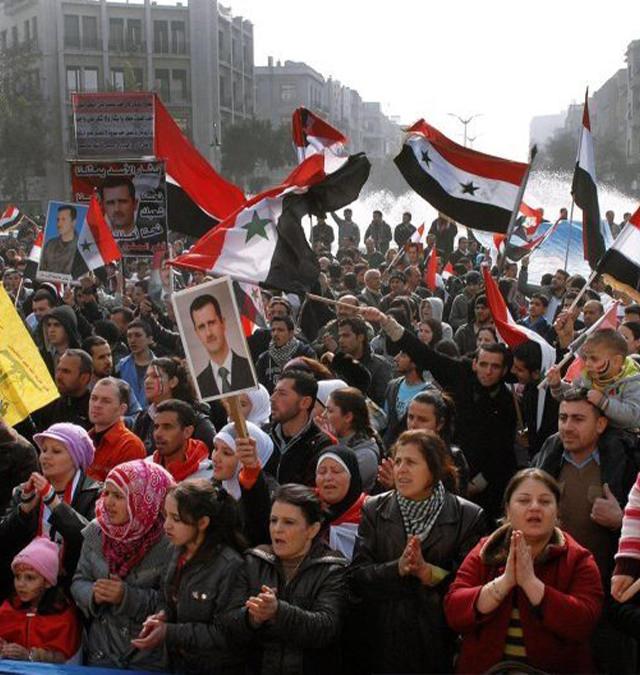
column 25, row 382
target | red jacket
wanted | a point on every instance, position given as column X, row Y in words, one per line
column 117, row 445
column 556, row 633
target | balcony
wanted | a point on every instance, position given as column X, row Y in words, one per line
column 127, row 47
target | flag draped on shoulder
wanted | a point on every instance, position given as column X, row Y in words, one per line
column 263, row 241
column 585, row 193
column 96, row 245
column 198, row 198
column 620, row 265
column 10, row 218
column 474, row 189
column 312, row 134
column 25, row 382
column 513, row 334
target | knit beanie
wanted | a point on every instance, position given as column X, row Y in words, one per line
column 43, row 556
column 76, row 440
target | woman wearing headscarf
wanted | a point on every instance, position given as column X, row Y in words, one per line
column 410, row 542
column 238, row 465
column 339, row 487
column 119, row 576
column 57, row 503
column 255, row 406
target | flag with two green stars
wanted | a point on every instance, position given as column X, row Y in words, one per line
column 263, row 241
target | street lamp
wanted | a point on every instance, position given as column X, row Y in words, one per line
column 465, row 123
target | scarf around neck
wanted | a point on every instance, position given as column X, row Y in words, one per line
column 282, row 355
column 419, row 517
column 629, row 369
column 195, row 452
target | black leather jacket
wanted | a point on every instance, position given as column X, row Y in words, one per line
column 403, row 628
column 304, row 636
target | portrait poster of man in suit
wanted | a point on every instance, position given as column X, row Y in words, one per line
column 214, row 343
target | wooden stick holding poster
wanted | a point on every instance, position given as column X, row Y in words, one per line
column 214, row 343
column 235, row 412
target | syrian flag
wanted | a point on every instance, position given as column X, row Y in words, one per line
column 33, row 260
column 313, row 135
column 524, row 239
column 585, row 193
column 249, row 301
column 10, row 218
column 620, row 265
column 608, row 320
column 198, row 198
column 96, row 245
column 513, row 334
column 474, row 189
column 263, row 241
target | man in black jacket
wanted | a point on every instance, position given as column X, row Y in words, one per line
column 485, row 412
column 297, row 440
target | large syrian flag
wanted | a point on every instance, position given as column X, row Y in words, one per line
column 513, row 334
column 474, row 189
column 620, row 265
column 312, row 135
column 585, row 193
column 198, row 198
column 263, row 241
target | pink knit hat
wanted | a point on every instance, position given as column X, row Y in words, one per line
column 41, row 554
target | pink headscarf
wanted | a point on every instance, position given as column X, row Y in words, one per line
column 144, row 486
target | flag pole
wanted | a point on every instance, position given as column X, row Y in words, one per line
column 516, row 207
column 573, row 201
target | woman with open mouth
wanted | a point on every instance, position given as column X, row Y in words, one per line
column 410, row 542
column 528, row 593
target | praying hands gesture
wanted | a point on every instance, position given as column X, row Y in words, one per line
column 412, row 561
column 262, row 607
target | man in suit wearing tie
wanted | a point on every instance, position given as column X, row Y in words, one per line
column 226, row 370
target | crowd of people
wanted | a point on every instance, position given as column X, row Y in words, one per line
column 406, row 497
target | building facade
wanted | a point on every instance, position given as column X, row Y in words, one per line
column 194, row 54
column 283, row 87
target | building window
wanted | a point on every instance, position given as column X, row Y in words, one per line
column 178, row 37
column 34, row 28
column 90, row 32
column 160, row 37
column 134, row 35
column 287, row 92
column 91, row 79
column 71, row 31
column 163, row 85
column 225, row 94
column 15, row 40
column 27, row 31
column 180, row 87
column 221, row 44
column 116, row 34
column 117, row 79
column 73, row 79
column 138, row 78
column 3, row 40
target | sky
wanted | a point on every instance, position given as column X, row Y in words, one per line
column 505, row 61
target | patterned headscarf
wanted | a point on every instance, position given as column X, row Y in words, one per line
column 144, row 486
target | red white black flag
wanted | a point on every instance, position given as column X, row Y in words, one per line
column 312, row 135
column 474, row 189
column 10, row 218
column 197, row 196
column 585, row 193
column 620, row 265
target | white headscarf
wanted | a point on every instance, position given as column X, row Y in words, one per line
column 264, row 447
column 327, row 387
column 260, row 406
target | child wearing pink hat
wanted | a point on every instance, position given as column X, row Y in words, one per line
column 38, row 623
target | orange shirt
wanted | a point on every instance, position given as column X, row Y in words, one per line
column 115, row 446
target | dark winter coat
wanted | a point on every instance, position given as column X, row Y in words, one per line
column 196, row 612
column 402, row 620
column 304, row 636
